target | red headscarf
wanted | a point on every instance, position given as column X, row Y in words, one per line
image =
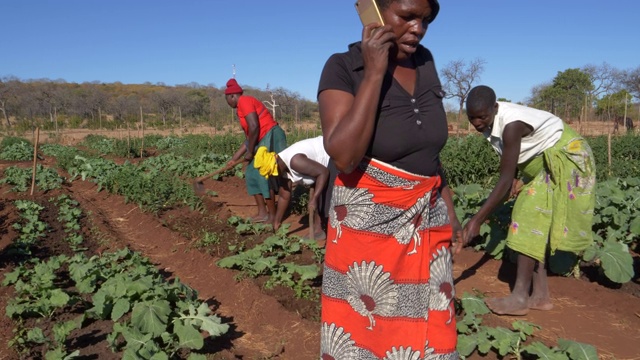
column 232, row 87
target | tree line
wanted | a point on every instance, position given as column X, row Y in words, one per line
column 592, row 92
column 25, row 104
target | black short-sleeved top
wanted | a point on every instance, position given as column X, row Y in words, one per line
column 410, row 130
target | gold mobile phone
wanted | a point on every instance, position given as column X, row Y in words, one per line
column 369, row 12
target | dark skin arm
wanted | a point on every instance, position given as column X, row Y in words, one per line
column 252, row 138
column 302, row 164
column 241, row 150
column 348, row 119
column 284, row 196
column 511, row 140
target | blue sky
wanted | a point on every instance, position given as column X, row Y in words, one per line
column 285, row 43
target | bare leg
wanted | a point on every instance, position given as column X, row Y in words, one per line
column 540, row 299
column 318, row 233
column 518, row 302
column 262, row 210
column 271, row 206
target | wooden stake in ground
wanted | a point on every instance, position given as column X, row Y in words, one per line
column 142, row 128
column 312, row 214
column 609, row 152
column 35, row 160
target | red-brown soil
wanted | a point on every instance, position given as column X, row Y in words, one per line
column 264, row 328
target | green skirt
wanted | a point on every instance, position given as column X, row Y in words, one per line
column 555, row 205
column 274, row 140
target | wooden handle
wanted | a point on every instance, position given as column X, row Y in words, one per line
column 35, row 161
column 223, row 169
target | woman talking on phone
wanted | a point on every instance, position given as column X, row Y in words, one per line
column 388, row 282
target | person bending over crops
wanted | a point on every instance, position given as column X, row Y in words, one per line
column 260, row 130
column 304, row 162
column 387, row 289
column 554, row 208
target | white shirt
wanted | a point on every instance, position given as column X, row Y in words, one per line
column 313, row 148
column 547, row 129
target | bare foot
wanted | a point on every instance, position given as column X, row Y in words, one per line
column 540, row 304
column 509, row 305
column 321, row 235
column 259, row 218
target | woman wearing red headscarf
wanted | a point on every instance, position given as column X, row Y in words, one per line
column 261, row 130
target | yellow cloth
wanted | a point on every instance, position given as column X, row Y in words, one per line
column 265, row 162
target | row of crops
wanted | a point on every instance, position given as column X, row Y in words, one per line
column 160, row 180
column 57, row 293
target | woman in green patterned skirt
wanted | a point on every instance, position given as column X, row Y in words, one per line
column 554, row 207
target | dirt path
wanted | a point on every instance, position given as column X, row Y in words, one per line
column 586, row 312
column 262, row 328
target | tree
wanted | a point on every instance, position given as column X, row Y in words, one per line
column 605, row 80
column 123, row 106
column 197, row 103
column 164, row 100
column 8, row 93
column 630, row 80
column 459, row 77
column 89, row 101
column 570, row 89
column 613, row 105
column 603, row 77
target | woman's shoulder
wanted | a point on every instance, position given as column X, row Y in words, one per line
column 341, row 70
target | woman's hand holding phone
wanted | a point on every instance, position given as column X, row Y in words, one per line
column 376, row 42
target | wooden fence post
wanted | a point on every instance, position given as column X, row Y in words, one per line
column 609, row 152
column 35, row 160
column 142, row 128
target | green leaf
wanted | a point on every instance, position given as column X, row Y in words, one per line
column 151, row 350
column 160, row 356
column 616, row 262
column 484, row 344
column 504, row 339
column 590, row 253
column 468, row 322
column 308, row 272
column 212, row 324
column 634, row 227
column 11, row 277
column 36, row 335
column 58, row 298
column 120, row 307
column 188, row 336
column 466, row 344
column 265, row 263
column 230, row 261
column 151, row 317
column 209, row 323
column 62, row 330
column 578, row 351
column 60, row 354
column 135, row 338
column 543, row 352
column 525, row 327
column 473, row 304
